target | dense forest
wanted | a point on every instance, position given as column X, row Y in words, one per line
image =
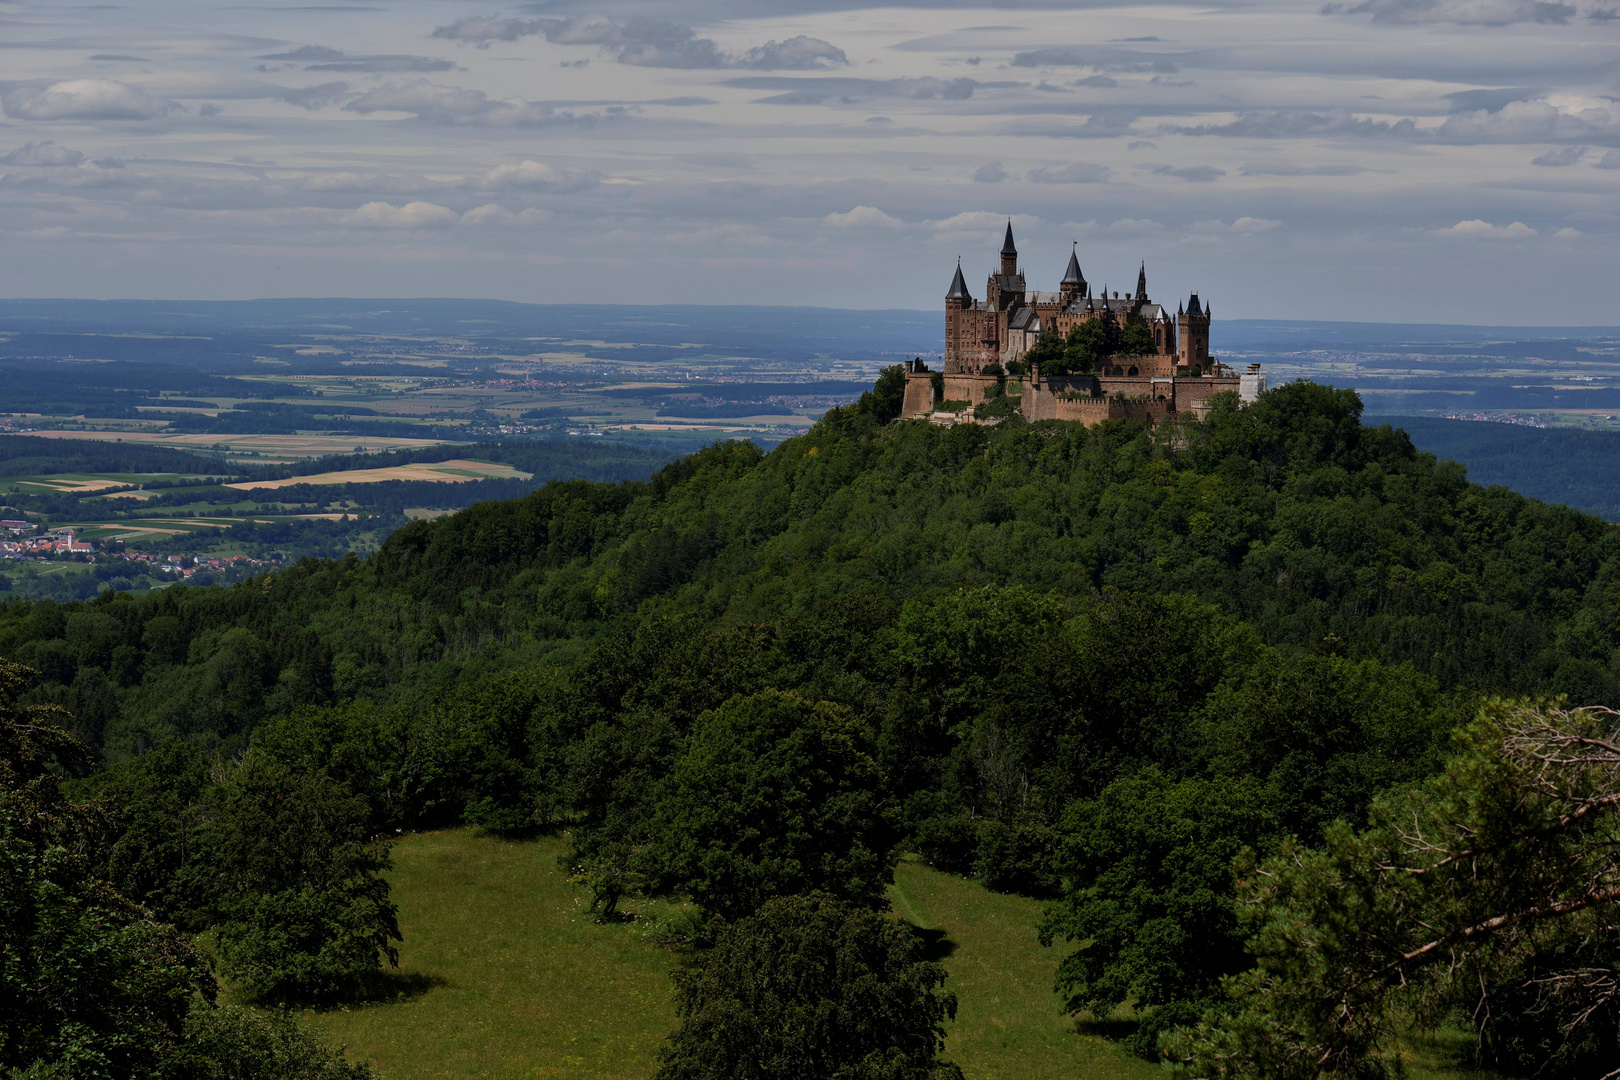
column 1198, row 686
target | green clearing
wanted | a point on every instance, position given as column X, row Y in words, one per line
column 504, row 973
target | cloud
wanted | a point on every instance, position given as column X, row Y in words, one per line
column 982, row 221
column 1464, row 12
column 307, row 53
column 378, row 64
column 862, row 217
column 1289, row 168
column 990, row 173
column 1611, row 160
column 1078, row 172
column 84, row 99
column 1106, row 61
column 369, row 182
column 1100, row 81
column 1243, row 226
column 1518, row 230
column 1551, row 118
column 413, row 215
column 494, row 214
column 644, row 42
column 314, row 97
column 323, row 58
column 1297, row 124
column 1568, row 234
column 1567, row 155
column 1198, row 174
column 849, row 91
column 42, row 153
column 453, row 105
column 536, row 176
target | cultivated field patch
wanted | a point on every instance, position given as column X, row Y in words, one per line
column 446, row 472
column 298, row 446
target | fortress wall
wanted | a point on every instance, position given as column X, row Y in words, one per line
column 968, row 388
column 1087, row 410
column 919, row 400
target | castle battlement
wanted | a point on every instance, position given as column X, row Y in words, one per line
column 1156, row 364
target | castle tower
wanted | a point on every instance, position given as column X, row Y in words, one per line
column 1074, row 282
column 956, row 302
column 1141, row 283
column 1193, row 326
column 1009, row 253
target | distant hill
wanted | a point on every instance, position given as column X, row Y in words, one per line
column 1556, row 465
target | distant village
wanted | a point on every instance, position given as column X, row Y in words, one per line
column 25, row 543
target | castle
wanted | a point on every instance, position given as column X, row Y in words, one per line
column 986, row 342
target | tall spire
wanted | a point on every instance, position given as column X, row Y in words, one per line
column 1072, row 277
column 959, row 289
column 1141, row 282
column 1009, row 253
column 1007, row 245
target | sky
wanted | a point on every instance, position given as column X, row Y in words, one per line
column 1441, row 161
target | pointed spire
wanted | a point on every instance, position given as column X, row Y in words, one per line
column 1007, row 245
column 959, row 289
column 1181, row 308
column 1141, row 282
column 1192, row 306
column 1073, row 276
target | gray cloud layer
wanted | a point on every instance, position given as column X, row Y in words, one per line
column 734, row 152
column 644, row 42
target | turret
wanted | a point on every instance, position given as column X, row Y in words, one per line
column 1141, row 283
column 956, row 301
column 1009, row 253
column 1193, row 326
column 1074, row 282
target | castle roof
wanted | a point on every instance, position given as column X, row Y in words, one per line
column 1009, row 282
column 1007, row 245
column 1192, row 306
column 1053, row 298
column 959, row 289
column 1023, row 319
column 1073, row 276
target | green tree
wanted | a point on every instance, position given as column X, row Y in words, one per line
column 1152, row 904
column 1477, row 880
column 774, row 795
column 1135, row 339
column 157, row 806
column 231, row 1042
column 90, row 984
column 887, row 397
column 301, row 907
column 810, row 988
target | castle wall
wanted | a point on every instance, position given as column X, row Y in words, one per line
column 919, row 399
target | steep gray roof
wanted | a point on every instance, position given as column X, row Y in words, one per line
column 1073, row 276
column 1007, row 245
column 1192, row 306
column 959, row 289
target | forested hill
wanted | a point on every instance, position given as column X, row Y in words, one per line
column 1290, row 516
column 1041, row 654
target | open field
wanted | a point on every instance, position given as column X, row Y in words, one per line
column 516, row 978
column 87, row 483
column 504, row 973
column 449, row 472
column 287, row 446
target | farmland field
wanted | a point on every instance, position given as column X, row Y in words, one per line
column 289, row 446
column 452, row 472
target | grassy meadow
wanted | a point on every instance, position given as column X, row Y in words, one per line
column 505, row 974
